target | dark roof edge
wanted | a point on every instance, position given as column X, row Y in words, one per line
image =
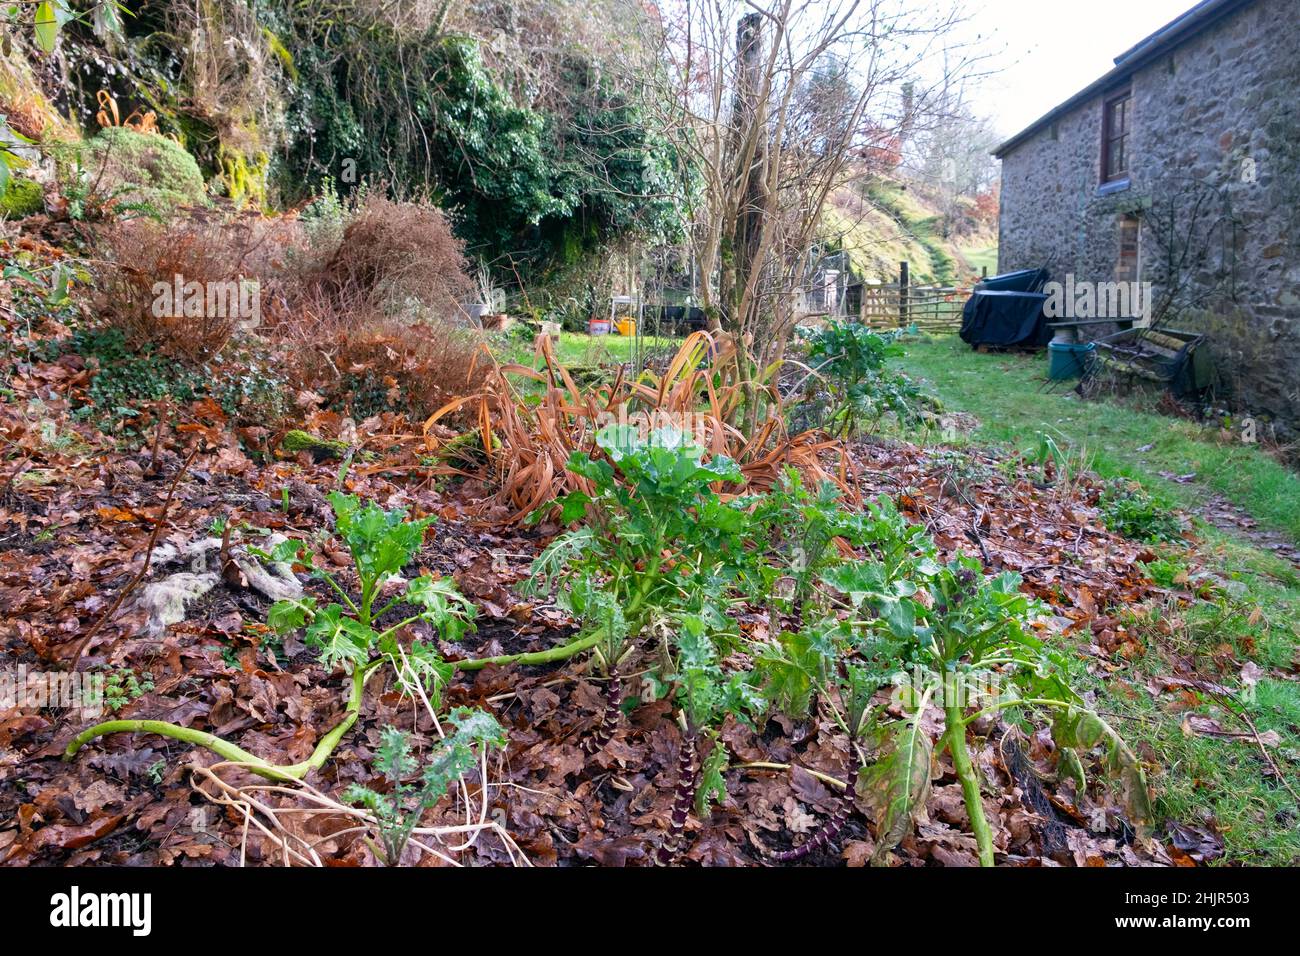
column 1184, row 27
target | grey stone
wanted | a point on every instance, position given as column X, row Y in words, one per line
column 1231, row 97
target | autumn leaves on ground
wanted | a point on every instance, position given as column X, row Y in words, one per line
column 325, row 544
column 731, row 657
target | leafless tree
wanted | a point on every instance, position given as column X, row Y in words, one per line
column 775, row 104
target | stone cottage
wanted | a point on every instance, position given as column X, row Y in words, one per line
column 1181, row 168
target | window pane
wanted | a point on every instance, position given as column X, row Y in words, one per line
column 1116, row 122
column 1119, row 117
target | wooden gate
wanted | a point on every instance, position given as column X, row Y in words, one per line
column 900, row 304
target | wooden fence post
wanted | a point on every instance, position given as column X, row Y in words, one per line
column 903, row 273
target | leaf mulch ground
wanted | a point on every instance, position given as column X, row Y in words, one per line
column 76, row 514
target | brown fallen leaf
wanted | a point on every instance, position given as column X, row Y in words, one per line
column 97, row 796
column 858, row 852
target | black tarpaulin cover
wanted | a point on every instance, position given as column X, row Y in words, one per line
column 1026, row 280
column 1005, row 318
column 1007, row 310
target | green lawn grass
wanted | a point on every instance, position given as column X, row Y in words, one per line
column 979, row 258
column 577, row 349
column 1216, row 782
column 1009, row 394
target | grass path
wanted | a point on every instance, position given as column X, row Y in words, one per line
column 1009, row 394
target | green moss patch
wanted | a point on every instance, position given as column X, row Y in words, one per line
column 144, row 168
column 22, row 197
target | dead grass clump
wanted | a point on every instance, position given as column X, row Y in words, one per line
column 393, row 258
column 365, row 317
column 187, row 286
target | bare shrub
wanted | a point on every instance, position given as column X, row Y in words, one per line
column 394, row 257
column 229, row 265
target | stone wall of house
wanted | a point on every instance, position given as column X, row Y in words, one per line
column 1215, row 180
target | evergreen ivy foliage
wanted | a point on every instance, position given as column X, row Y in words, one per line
column 424, row 113
column 608, row 167
column 347, row 98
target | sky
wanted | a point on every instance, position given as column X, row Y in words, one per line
column 1048, row 50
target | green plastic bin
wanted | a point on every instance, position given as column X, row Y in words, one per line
column 1066, row 360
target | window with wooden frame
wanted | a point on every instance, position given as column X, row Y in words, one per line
column 1117, row 123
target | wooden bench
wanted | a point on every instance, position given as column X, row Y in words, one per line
column 1069, row 331
column 1168, row 357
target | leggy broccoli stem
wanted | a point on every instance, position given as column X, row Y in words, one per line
column 970, row 785
column 561, row 653
column 229, row 751
column 573, row 648
column 830, row 829
column 827, row 832
column 684, row 795
column 609, row 718
column 221, row 748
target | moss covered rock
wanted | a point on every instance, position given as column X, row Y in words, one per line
column 22, row 197
column 144, row 168
column 297, row 440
